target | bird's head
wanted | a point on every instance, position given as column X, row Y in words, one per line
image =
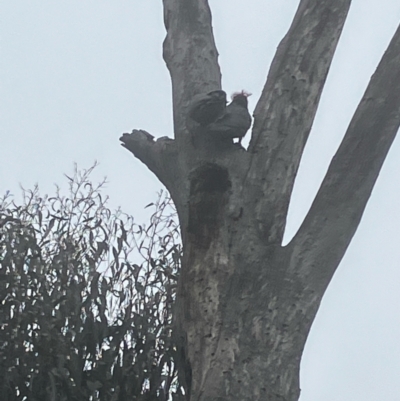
column 218, row 95
column 241, row 98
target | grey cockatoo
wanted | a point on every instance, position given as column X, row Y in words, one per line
column 205, row 109
column 234, row 121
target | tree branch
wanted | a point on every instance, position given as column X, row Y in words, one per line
column 337, row 209
column 285, row 112
column 190, row 54
column 159, row 156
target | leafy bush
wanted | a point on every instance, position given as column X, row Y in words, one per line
column 86, row 298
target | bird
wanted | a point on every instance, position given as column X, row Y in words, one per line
column 234, row 121
column 205, row 109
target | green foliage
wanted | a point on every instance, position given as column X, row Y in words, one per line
column 86, row 298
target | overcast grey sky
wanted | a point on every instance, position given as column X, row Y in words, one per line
column 76, row 74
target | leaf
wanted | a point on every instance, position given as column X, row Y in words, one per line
column 49, row 227
column 91, row 239
column 123, row 235
column 120, row 243
column 40, row 215
column 115, row 254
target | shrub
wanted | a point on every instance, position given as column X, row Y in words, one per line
column 86, row 298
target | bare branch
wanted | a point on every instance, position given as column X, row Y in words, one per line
column 190, row 54
column 286, row 109
column 338, row 207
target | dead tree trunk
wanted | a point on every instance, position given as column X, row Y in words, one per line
column 245, row 303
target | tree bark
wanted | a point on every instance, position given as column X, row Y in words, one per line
column 338, row 207
column 287, row 107
column 190, row 54
column 245, row 303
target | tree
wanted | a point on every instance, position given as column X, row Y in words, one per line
column 85, row 298
column 245, row 303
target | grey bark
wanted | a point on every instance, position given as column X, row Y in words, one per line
column 245, row 303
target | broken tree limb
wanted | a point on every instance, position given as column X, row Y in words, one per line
column 156, row 155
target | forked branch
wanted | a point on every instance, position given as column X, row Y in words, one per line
column 337, row 209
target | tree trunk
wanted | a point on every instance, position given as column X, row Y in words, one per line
column 245, row 303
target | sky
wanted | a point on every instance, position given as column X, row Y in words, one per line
column 77, row 74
